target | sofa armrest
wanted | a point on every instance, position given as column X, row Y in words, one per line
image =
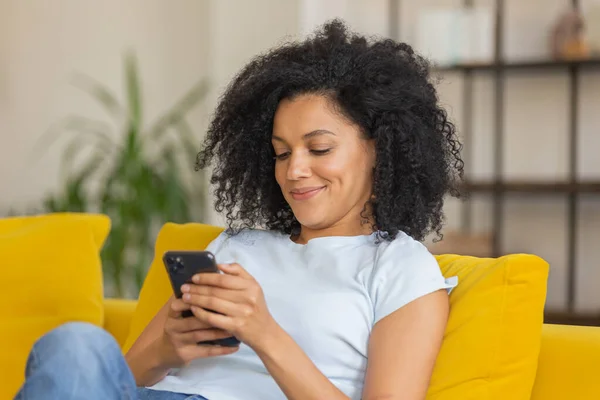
column 568, row 364
column 117, row 317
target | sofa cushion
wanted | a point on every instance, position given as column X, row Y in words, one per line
column 493, row 337
column 51, row 274
column 492, row 340
column 156, row 289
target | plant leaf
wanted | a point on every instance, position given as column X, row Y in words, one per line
column 179, row 110
column 100, row 93
column 95, row 131
column 134, row 103
column 99, row 156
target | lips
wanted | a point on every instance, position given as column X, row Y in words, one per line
column 306, row 193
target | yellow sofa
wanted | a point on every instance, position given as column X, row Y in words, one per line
column 569, row 361
column 568, row 368
column 496, row 345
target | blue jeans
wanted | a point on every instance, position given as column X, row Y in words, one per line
column 81, row 361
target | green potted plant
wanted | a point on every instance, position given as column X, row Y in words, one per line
column 135, row 175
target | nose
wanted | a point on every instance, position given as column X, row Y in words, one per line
column 298, row 167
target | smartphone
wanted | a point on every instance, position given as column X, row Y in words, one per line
column 181, row 267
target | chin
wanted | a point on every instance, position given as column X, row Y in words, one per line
column 313, row 223
column 308, row 216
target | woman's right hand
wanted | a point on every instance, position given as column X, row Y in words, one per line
column 179, row 341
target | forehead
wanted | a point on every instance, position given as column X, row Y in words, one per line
column 307, row 113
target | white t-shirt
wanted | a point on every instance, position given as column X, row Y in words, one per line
column 327, row 295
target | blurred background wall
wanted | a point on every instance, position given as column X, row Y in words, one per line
column 177, row 42
column 45, row 43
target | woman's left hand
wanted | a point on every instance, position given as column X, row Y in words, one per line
column 239, row 300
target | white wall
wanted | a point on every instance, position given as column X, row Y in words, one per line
column 44, row 43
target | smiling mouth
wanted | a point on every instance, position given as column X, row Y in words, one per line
column 305, row 194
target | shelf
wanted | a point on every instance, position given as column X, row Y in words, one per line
column 521, row 65
column 532, row 187
column 571, row 318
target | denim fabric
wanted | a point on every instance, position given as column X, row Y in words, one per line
column 149, row 394
column 81, row 361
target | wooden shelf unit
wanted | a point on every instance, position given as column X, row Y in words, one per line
column 498, row 187
column 528, row 65
column 533, row 187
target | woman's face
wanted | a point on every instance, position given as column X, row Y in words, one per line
column 323, row 165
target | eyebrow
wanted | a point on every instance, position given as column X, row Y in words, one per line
column 317, row 132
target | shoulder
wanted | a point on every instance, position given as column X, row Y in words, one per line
column 404, row 271
column 405, row 252
column 406, row 262
column 250, row 237
column 244, row 237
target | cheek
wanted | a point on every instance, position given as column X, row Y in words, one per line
column 345, row 169
column 279, row 174
column 332, row 169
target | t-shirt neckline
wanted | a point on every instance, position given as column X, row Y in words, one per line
column 333, row 240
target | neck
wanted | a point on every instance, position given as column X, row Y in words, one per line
column 352, row 224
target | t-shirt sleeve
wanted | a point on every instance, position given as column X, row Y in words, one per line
column 404, row 271
column 218, row 244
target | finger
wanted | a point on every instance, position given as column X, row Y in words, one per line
column 224, row 322
column 234, row 269
column 181, row 325
column 235, row 296
column 213, row 351
column 177, row 307
column 203, row 335
column 220, row 280
column 214, row 304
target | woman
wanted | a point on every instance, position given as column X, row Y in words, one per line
column 338, row 149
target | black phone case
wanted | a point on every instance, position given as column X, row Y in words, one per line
column 181, row 267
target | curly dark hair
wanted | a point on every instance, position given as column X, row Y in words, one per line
column 379, row 84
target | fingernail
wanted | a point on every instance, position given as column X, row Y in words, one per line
column 196, row 278
column 185, row 288
column 187, row 296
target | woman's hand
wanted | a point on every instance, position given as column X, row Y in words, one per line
column 179, row 342
column 237, row 300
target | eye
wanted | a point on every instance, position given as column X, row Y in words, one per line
column 320, row 152
column 282, row 156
